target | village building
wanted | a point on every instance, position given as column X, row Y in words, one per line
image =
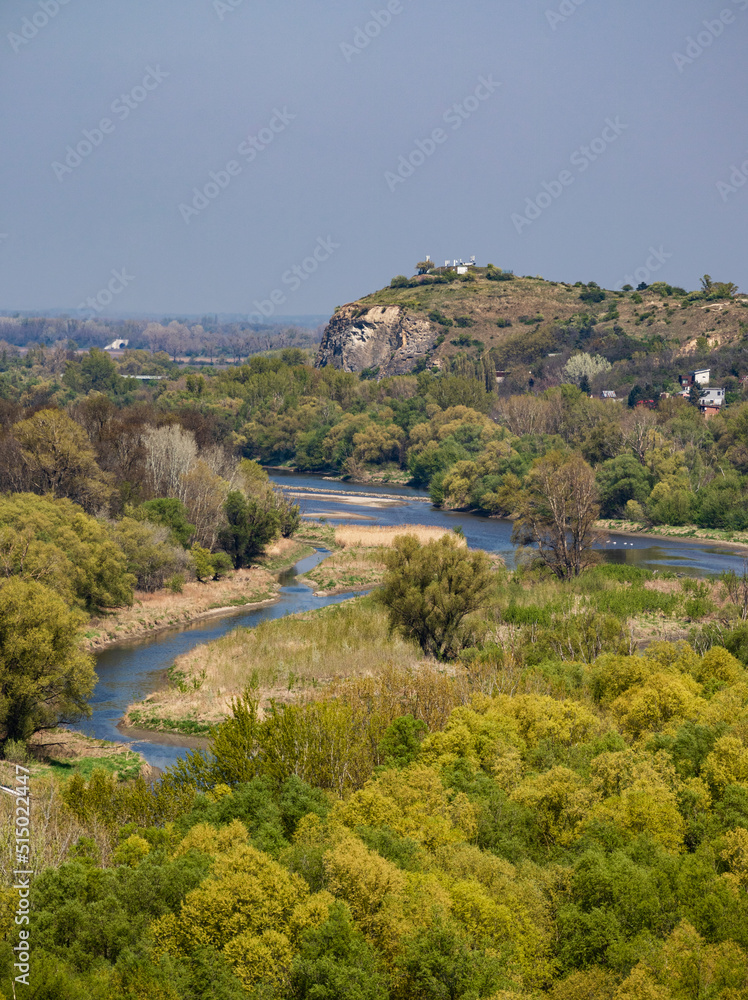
column 699, row 377
column 711, row 402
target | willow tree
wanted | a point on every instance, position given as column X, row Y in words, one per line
column 45, row 679
column 429, row 590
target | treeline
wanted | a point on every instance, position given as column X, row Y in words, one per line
column 209, row 339
column 446, row 433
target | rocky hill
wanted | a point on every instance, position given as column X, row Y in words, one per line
column 391, row 338
column 431, row 319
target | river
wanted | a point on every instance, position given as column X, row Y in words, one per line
column 129, row 671
column 494, row 534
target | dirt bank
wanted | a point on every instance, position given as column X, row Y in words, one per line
column 152, row 613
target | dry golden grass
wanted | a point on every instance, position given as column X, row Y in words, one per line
column 376, row 537
column 53, row 830
column 286, row 659
column 348, row 570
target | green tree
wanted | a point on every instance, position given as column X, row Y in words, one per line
column 150, row 556
column 45, row 679
column 289, row 515
column 251, row 524
column 619, row 480
column 60, row 459
column 98, row 371
column 335, row 962
column 55, row 542
column 439, row 964
column 401, row 742
column 429, row 590
column 171, row 513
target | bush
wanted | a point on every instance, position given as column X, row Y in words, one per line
column 502, row 323
column 592, row 293
column 437, row 316
column 582, row 637
column 698, row 607
column 221, row 564
column 399, row 281
column 150, row 555
column 176, row 583
column 15, row 751
column 430, row 589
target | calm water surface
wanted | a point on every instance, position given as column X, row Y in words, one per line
column 494, row 534
column 129, row 672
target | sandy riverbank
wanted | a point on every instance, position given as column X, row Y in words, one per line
column 151, row 613
column 354, row 499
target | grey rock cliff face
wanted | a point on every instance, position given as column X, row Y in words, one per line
column 384, row 337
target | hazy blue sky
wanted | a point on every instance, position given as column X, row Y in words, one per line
column 341, row 108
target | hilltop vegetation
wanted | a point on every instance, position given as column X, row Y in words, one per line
column 491, row 319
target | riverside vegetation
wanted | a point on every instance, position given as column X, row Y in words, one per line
column 548, row 810
column 469, row 784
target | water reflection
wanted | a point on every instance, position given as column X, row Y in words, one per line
column 494, row 534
